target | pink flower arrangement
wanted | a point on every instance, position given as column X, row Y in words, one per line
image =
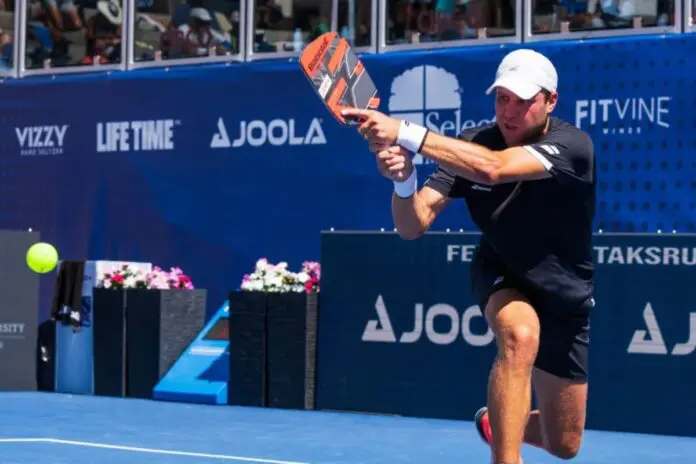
column 174, row 279
column 313, row 270
column 125, row 277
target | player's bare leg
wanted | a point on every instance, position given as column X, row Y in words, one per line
column 532, row 433
column 558, row 425
column 560, row 420
column 516, row 327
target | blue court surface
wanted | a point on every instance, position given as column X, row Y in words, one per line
column 55, row 429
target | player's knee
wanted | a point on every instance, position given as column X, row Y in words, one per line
column 516, row 327
column 519, row 344
column 568, row 448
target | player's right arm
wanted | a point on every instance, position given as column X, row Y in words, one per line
column 414, row 215
column 413, row 210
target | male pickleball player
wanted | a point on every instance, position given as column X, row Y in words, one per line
column 529, row 183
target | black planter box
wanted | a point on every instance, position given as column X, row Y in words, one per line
column 160, row 325
column 246, row 385
column 291, row 351
column 139, row 334
column 272, row 349
column 109, row 341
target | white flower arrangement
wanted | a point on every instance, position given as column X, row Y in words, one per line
column 268, row 277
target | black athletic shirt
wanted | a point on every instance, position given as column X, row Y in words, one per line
column 544, row 233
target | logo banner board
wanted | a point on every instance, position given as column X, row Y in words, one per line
column 400, row 331
column 19, row 312
column 219, row 158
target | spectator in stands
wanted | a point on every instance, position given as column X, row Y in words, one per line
column 438, row 20
column 195, row 37
column 267, row 14
column 447, row 25
column 261, row 24
column 620, row 13
column 549, row 14
column 5, row 51
column 545, row 15
column 58, row 10
column 319, row 26
column 45, row 41
column 397, row 23
column 363, row 26
column 103, row 34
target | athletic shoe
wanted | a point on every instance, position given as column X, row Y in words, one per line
column 483, row 426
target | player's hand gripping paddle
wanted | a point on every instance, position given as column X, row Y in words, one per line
column 338, row 76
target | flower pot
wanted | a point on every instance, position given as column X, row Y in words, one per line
column 139, row 334
column 160, row 325
column 291, row 349
column 247, row 331
column 272, row 349
column 109, row 341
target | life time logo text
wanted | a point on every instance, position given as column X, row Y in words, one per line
column 623, row 116
column 126, row 136
column 277, row 132
column 41, row 140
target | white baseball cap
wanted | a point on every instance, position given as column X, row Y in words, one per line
column 525, row 73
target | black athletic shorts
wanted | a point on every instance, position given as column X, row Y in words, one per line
column 564, row 339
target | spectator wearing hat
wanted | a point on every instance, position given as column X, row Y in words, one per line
column 196, row 37
column 103, row 34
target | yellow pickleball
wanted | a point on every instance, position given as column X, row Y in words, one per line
column 42, row 257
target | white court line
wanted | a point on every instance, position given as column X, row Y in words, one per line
column 226, row 457
column 22, row 440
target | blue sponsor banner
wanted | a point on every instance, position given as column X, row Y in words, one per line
column 400, row 331
column 211, row 167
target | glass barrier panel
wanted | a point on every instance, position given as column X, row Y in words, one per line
column 355, row 22
column 422, row 21
column 73, row 33
column 563, row 16
column 179, row 29
column 288, row 25
column 7, row 36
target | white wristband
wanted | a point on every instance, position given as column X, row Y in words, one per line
column 408, row 187
column 411, row 136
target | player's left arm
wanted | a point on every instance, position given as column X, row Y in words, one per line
column 565, row 154
column 483, row 165
column 465, row 159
